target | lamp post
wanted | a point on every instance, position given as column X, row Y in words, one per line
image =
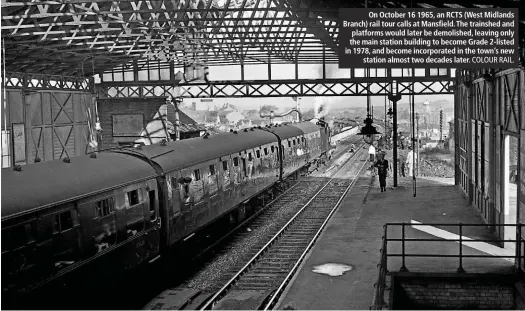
column 394, row 96
column 390, row 114
column 175, row 102
column 297, row 106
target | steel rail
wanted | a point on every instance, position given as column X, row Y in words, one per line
column 277, row 293
column 265, row 207
column 219, row 294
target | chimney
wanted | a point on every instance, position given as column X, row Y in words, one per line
column 176, row 124
column 172, row 114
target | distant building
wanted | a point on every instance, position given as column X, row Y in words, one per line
column 450, row 139
column 188, row 127
column 147, row 124
column 234, row 118
column 340, row 124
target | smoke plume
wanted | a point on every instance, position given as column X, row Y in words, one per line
column 320, row 108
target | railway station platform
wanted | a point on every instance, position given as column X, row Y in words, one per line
column 341, row 269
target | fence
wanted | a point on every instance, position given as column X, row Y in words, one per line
column 378, row 301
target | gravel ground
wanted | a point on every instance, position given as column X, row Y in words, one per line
column 244, row 245
column 433, row 167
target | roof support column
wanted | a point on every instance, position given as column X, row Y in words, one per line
column 457, row 111
column 470, row 159
column 324, row 63
column 269, row 67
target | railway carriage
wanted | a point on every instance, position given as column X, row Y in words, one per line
column 204, row 178
column 117, row 209
column 59, row 215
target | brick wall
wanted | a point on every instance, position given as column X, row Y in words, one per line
column 520, row 296
column 459, row 292
column 108, row 107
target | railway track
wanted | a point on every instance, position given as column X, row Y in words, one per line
column 288, row 196
column 270, row 269
column 241, row 245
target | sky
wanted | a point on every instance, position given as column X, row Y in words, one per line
column 306, row 71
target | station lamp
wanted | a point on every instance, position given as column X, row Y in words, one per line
column 369, row 131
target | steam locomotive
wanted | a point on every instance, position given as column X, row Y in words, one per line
column 120, row 208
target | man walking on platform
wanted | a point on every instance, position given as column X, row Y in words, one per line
column 382, row 169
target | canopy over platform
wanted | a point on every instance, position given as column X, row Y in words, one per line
column 86, row 37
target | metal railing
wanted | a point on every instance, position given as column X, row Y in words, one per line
column 378, row 301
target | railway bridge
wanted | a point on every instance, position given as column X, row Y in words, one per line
column 80, row 76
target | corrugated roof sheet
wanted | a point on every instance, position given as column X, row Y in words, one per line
column 185, row 128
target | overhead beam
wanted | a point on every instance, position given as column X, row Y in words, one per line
column 276, row 88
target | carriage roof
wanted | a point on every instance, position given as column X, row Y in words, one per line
column 40, row 185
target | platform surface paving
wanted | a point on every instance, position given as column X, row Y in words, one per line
column 352, row 239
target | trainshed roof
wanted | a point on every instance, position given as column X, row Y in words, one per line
column 48, row 183
column 84, row 37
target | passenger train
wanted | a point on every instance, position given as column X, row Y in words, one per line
column 127, row 206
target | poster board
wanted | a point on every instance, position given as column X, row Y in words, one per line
column 19, row 143
column 125, row 125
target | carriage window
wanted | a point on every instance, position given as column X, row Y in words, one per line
column 225, row 165
column 30, row 237
column 236, row 161
column 133, row 197
column 197, row 174
column 250, row 156
column 17, row 236
column 212, row 170
column 258, row 153
column 62, row 222
column 266, row 151
column 273, row 149
column 294, row 142
column 289, row 143
column 152, row 212
column 104, row 207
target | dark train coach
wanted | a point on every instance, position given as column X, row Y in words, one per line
column 128, row 206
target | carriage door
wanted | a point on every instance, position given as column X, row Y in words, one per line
column 153, row 201
column 244, row 172
column 153, row 237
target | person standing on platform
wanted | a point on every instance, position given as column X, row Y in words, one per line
column 372, row 153
column 411, row 163
column 402, row 160
column 382, row 170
